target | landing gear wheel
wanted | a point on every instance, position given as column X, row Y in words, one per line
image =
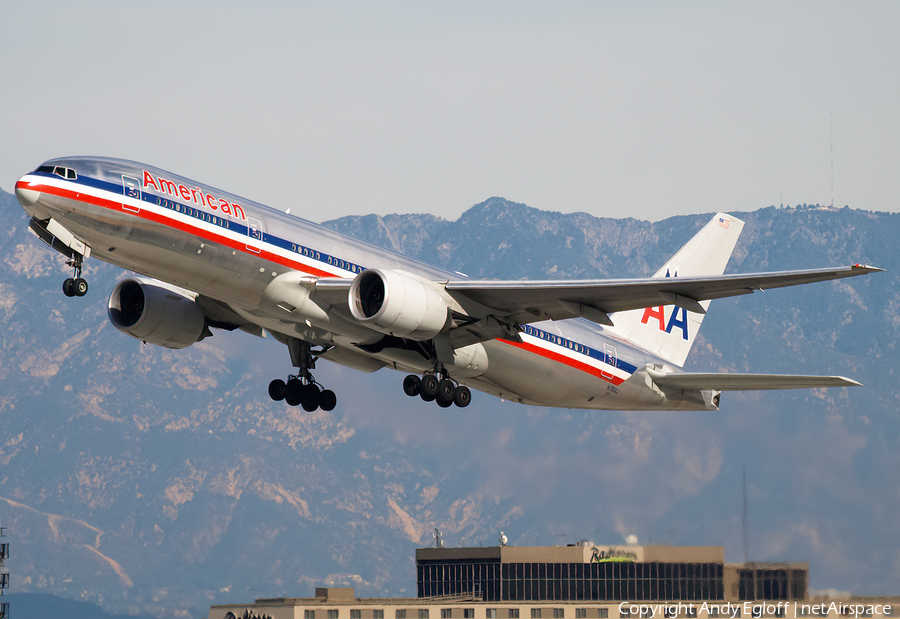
column 69, row 287
column 302, row 389
column 327, row 400
column 446, row 388
column 444, row 403
column 79, row 287
column 429, row 387
column 462, row 397
column 276, row 389
column 412, row 385
column 310, row 400
column 293, row 392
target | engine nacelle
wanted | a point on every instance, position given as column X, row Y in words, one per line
column 156, row 315
column 398, row 304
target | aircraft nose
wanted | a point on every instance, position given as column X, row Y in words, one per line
column 25, row 194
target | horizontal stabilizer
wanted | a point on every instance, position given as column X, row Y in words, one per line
column 747, row 382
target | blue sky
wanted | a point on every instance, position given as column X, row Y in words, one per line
column 641, row 109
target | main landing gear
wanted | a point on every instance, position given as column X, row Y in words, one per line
column 445, row 391
column 75, row 286
column 302, row 389
column 296, row 391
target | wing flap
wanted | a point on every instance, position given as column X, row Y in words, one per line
column 747, row 382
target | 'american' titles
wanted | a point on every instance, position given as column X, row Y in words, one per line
column 195, row 195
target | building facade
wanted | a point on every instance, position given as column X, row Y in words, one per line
column 580, row 582
column 603, row 573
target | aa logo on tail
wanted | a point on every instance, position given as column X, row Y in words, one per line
column 678, row 318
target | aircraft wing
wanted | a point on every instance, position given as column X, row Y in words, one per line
column 531, row 301
column 746, row 382
column 493, row 308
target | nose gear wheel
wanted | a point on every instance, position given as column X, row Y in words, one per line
column 75, row 286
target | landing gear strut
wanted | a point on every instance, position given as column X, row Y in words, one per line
column 445, row 391
column 63, row 241
column 75, row 286
column 302, row 389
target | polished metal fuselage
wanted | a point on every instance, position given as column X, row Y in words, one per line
column 230, row 249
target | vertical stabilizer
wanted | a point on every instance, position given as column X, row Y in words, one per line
column 668, row 330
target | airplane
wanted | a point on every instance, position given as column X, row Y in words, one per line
column 217, row 261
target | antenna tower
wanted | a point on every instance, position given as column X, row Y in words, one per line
column 744, row 518
column 4, row 573
column 832, row 157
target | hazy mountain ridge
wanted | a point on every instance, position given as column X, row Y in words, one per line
column 145, row 479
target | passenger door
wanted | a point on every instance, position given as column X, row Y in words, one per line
column 131, row 189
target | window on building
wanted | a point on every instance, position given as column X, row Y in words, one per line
column 625, row 613
column 535, row 613
column 446, row 613
column 490, row 613
column 581, row 613
column 400, row 614
column 513, row 613
column 890, row 610
column 377, row 614
column 309, row 614
column 423, row 613
column 779, row 612
column 691, row 612
column 468, row 613
column 355, row 613
column 604, row 613
column 667, row 613
column 559, row 613
column 332, row 614
column 646, row 613
column 713, row 612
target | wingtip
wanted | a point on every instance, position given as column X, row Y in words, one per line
column 849, row 382
column 866, row 268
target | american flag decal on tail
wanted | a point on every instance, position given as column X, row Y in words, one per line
column 723, row 222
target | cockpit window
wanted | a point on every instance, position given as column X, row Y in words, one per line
column 67, row 173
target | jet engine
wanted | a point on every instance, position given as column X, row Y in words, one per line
column 398, row 304
column 156, row 315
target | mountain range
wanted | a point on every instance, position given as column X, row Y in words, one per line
column 157, row 482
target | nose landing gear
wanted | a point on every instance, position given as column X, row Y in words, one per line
column 63, row 241
column 445, row 391
column 75, row 286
